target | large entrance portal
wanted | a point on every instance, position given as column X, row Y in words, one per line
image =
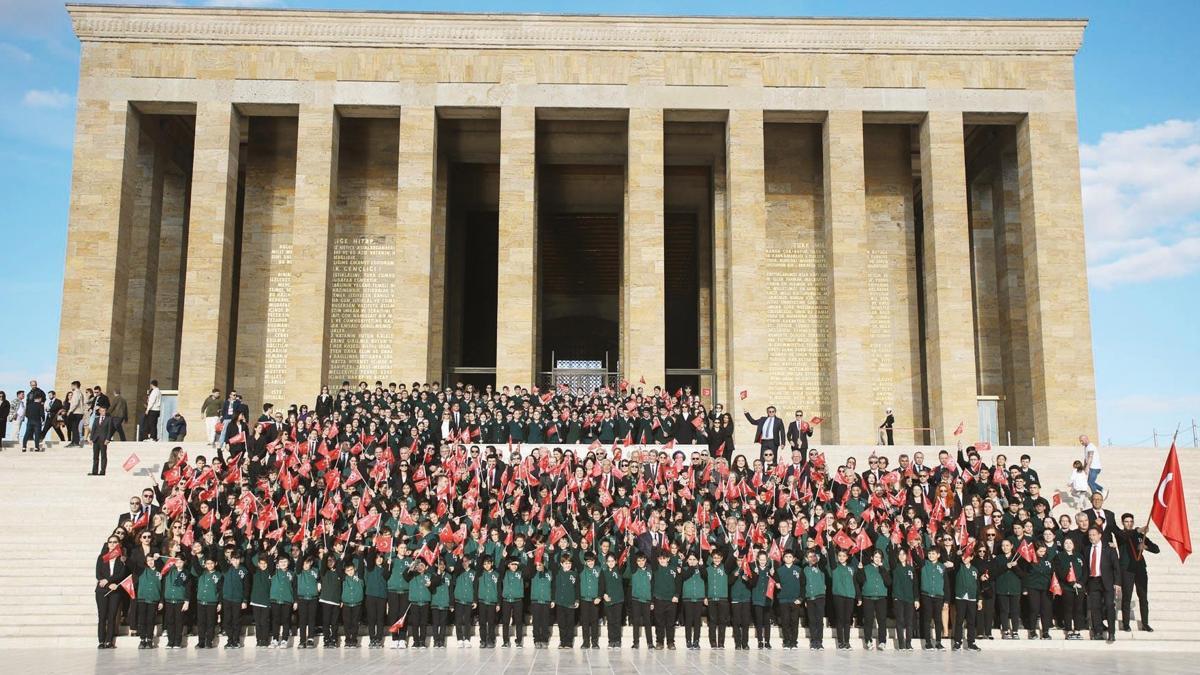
column 581, row 183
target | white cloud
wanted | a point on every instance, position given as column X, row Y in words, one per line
column 46, row 98
column 1141, row 200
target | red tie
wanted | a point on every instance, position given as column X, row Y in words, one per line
column 1095, row 561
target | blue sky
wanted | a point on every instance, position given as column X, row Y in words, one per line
column 1138, row 84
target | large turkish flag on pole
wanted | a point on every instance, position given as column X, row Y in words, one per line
column 1169, row 512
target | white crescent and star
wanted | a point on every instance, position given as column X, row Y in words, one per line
column 1162, row 487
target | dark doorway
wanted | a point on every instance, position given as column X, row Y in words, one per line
column 581, row 280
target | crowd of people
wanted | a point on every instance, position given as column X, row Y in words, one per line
column 416, row 516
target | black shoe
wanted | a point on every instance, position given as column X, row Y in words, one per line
column 973, row 648
column 1125, row 628
column 938, row 646
column 955, row 646
column 766, row 645
column 1146, row 627
column 1112, row 637
column 1046, row 636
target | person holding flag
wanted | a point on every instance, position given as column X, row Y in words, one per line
column 110, row 572
column 1068, row 571
column 144, row 566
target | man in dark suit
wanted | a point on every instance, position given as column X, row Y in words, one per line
column 798, row 432
column 1133, row 546
column 1106, row 520
column 885, row 429
column 102, row 430
column 54, row 410
column 1103, row 584
column 768, row 432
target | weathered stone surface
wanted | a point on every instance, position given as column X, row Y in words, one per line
column 516, row 290
column 642, row 324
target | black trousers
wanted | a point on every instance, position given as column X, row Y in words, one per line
column 438, row 620
column 397, row 605
column 1131, row 581
column 718, row 619
column 33, row 432
column 99, row 457
column 206, row 623
column 73, row 428
column 306, row 617
column 173, row 618
column 904, row 623
column 613, row 616
column 147, row 619
column 1008, row 608
column 589, row 622
column 1101, row 606
column 664, row 622
column 231, row 621
column 375, row 609
column 986, row 619
column 1041, row 608
column 351, row 616
column 789, row 623
column 487, row 623
column 875, row 619
column 107, row 604
column 1074, row 610
column 118, row 428
column 262, row 625
column 541, row 622
column 566, row 625
column 329, row 618
column 150, row 425
column 692, row 611
column 462, row 621
column 843, row 610
column 56, row 428
column 417, row 623
column 512, row 620
column 815, row 610
column 281, row 620
column 964, row 619
column 740, row 617
column 931, row 610
column 640, row 617
column 762, row 623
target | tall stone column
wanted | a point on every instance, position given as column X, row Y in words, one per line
column 643, row 329
column 308, row 314
column 168, row 295
column 412, row 350
column 1060, row 335
column 517, row 269
column 747, row 223
column 204, row 344
column 104, row 181
column 949, row 327
column 846, row 239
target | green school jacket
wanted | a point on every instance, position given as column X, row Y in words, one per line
column 788, row 577
column 208, row 588
column 843, row 581
column 512, row 586
column 353, row 590
column 419, row 592
column 260, row 589
column 814, row 582
column 613, row 588
column 718, row 583
column 175, row 586
column 233, row 584
column 640, row 585
column 933, row 579
column 693, row 586
column 541, row 586
column 589, row 583
column 464, row 587
column 489, row 587
column 331, row 587
column 149, row 587
column 873, row 584
column 966, row 583
column 440, row 596
column 566, row 588
column 283, row 589
column 396, row 581
column 306, row 584
column 904, row 585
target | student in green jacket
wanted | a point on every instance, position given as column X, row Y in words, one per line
column 397, row 595
column 613, row 590
column 464, row 600
column 590, row 597
column 1071, row 573
column 845, row 597
column 1036, row 587
column 741, row 596
column 760, row 581
column 487, row 595
column 566, row 602
column 905, row 596
column 260, row 600
column 208, row 599
column 283, row 602
column 235, row 581
column 716, row 599
column 815, row 587
column 176, row 582
column 144, row 565
column 307, row 590
column 641, row 599
column 933, row 589
column 665, row 587
column 966, row 601
column 375, row 599
column 330, row 600
column 787, row 594
column 1006, row 573
column 353, row 592
column 873, row 580
column 439, row 603
column 420, row 581
column 541, row 595
column 692, row 592
column 512, row 601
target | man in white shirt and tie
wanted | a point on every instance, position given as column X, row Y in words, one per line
column 769, row 432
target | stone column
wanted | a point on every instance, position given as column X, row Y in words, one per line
column 747, row 223
column 1060, row 336
column 308, row 314
column 517, row 269
column 169, row 294
column 643, row 351
column 949, row 328
column 208, row 286
column 95, row 279
column 412, row 350
column 852, row 409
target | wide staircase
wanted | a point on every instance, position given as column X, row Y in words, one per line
column 54, row 518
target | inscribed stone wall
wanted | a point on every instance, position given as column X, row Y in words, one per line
column 264, row 292
column 892, row 277
column 796, row 296
column 363, row 302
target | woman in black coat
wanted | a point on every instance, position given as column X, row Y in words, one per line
column 109, row 574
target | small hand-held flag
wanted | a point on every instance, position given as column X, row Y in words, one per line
column 743, row 394
column 958, row 429
column 1169, row 511
column 127, row 585
column 131, row 462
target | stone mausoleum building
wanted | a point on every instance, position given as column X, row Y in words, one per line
column 839, row 215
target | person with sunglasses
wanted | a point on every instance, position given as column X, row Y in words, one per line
column 144, row 564
column 111, row 570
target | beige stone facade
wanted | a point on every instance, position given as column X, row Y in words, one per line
column 834, row 215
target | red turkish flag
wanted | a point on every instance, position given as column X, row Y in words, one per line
column 399, row 625
column 1169, row 511
column 1055, row 587
column 958, row 429
column 706, row 392
column 815, row 420
column 127, row 585
column 131, row 462
column 743, row 394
